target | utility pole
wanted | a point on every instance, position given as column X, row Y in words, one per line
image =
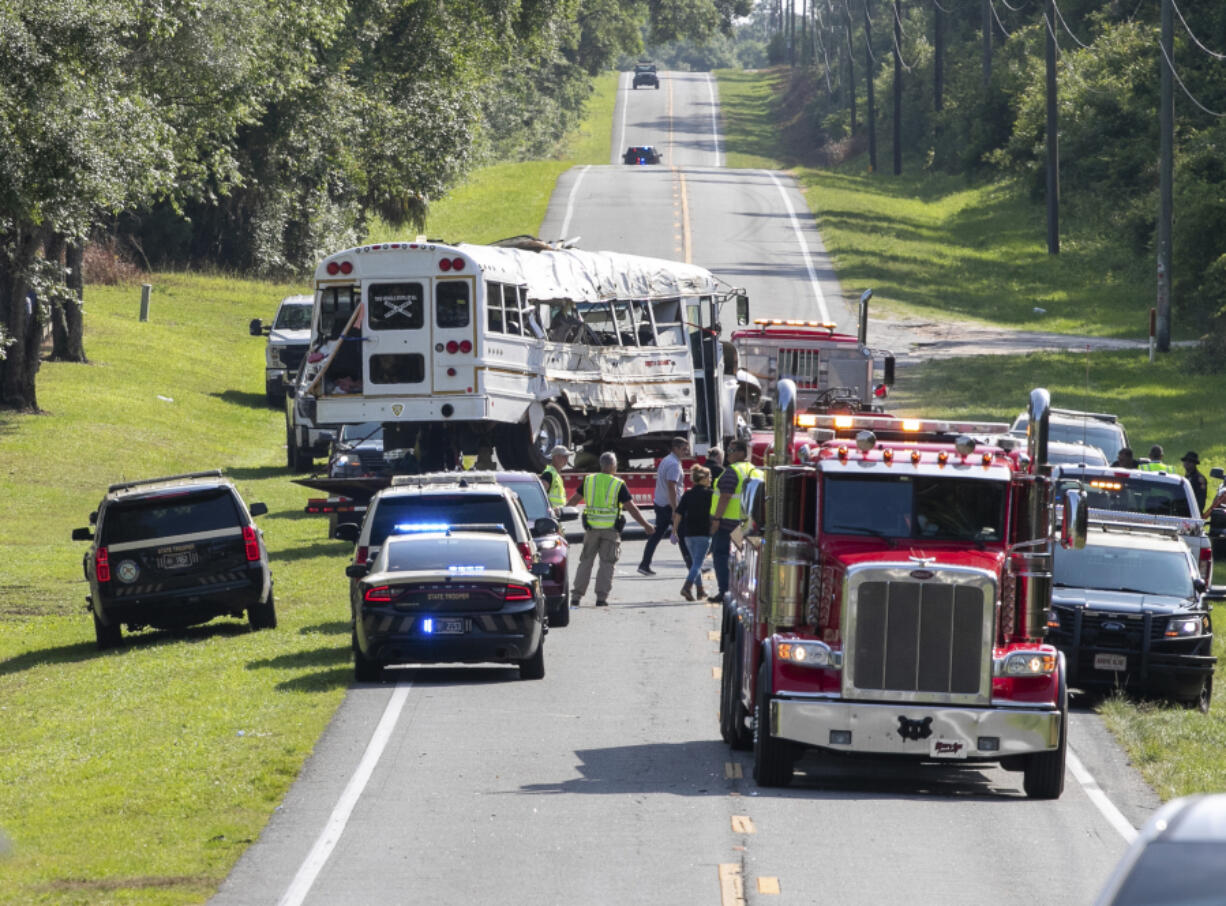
column 987, row 44
column 938, row 57
column 868, row 81
column 1166, row 178
column 851, row 67
column 1053, row 137
column 897, row 89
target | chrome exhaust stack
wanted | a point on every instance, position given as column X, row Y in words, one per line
column 778, row 583
column 1038, row 583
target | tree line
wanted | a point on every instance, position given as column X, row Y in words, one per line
column 961, row 86
column 259, row 136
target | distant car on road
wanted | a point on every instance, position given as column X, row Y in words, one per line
column 641, row 154
column 172, row 552
column 438, row 596
column 1177, row 859
column 645, row 74
column 1098, row 429
column 1128, row 612
column 288, row 336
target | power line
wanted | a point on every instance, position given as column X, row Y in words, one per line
column 941, row 8
column 1016, row 9
column 1060, row 16
column 996, row 16
column 894, row 41
column 1179, row 81
column 1195, row 40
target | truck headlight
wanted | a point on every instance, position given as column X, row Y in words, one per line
column 1026, row 663
column 274, row 357
column 808, row 654
column 1179, row 627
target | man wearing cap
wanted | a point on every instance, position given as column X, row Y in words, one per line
column 551, row 478
column 1196, row 478
column 604, row 496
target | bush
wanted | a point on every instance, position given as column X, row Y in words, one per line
column 104, row 262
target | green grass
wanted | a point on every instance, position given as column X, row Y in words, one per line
column 139, row 775
column 510, row 199
column 933, row 245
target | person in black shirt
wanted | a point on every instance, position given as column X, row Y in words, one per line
column 1196, row 478
column 692, row 523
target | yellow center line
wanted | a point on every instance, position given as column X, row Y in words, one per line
column 731, row 885
column 685, row 222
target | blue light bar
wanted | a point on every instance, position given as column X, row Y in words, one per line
column 408, row 528
column 427, row 625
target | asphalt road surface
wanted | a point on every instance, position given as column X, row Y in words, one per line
column 606, row 782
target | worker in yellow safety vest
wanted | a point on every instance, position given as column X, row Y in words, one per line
column 1155, row 463
column 726, row 511
column 552, row 477
column 604, row 496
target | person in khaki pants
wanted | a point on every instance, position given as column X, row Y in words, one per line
column 604, row 495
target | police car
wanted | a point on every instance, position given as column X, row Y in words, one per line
column 175, row 551
column 438, row 594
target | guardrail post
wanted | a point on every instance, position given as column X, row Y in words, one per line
column 146, row 290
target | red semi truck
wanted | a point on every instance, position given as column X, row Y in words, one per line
column 891, row 598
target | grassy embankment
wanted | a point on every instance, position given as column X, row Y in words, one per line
column 139, row 775
column 936, row 247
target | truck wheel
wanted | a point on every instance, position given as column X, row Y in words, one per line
column 559, row 607
column 1043, row 775
column 262, row 616
column 772, row 758
column 732, row 712
column 364, row 669
column 534, row 667
column 109, row 636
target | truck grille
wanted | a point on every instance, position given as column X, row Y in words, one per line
column 919, row 640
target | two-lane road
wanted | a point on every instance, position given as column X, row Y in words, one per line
column 606, row 782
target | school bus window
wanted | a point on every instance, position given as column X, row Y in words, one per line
column 511, row 311
column 493, row 307
column 336, row 305
column 451, row 303
column 397, row 369
column 395, row 306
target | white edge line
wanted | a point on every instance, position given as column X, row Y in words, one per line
column 804, row 248
column 1100, row 799
column 570, row 201
column 331, row 834
column 621, row 135
column 719, row 153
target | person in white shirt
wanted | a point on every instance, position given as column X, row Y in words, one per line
column 670, row 481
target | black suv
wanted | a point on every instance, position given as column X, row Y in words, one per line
column 1128, row 612
column 175, row 551
column 645, row 74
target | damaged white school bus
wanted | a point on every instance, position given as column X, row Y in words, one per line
column 514, row 347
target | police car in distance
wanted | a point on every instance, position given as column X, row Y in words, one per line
column 175, row 551
column 641, row 154
column 441, row 594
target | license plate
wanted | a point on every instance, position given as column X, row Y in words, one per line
column 177, row 561
column 444, row 626
column 1115, row 662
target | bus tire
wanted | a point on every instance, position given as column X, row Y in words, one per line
column 554, row 431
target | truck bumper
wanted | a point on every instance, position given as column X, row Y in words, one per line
column 341, row 410
column 932, row 732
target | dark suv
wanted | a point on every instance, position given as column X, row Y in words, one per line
column 175, row 551
column 1128, row 612
column 645, row 74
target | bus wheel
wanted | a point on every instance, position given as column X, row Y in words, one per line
column 554, row 430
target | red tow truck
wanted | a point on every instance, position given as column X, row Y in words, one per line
column 891, row 598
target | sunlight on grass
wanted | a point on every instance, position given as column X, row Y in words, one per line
column 140, row 775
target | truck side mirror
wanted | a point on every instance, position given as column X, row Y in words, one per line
column 1074, row 520
column 347, row 531
column 887, row 369
column 545, row 525
column 1219, row 474
column 357, row 570
column 258, row 509
column 256, row 328
column 82, row 534
column 568, row 514
column 742, row 309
